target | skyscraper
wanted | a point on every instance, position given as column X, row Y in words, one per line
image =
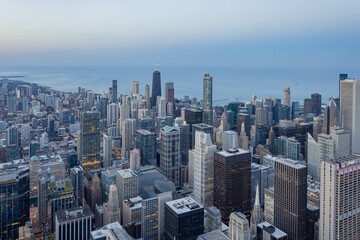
column 230, row 140
column 203, row 162
column 156, row 87
column 89, row 141
column 170, row 153
column 184, row 219
column 342, row 76
column 239, row 227
column 111, row 208
column 243, row 139
column 77, row 181
column 350, row 110
column 14, row 201
column 146, row 143
column 107, row 150
column 113, row 113
column 316, row 103
column 232, row 167
column 287, row 96
column 307, row 106
column 127, row 185
column 330, row 118
column 169, row 92
column 207, row 99
column 135, row 88
column 114, row 91
column 290, row 192
column 147, row 96
column 73, row 224
column 340, row 198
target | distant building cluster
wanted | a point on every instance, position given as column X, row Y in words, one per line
column 109, row 165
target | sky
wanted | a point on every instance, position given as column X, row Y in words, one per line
column 241, row 33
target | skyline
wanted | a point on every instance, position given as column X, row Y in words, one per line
column 239, row 34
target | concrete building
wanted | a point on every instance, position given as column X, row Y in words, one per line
column 239, row 227
column 111, row 208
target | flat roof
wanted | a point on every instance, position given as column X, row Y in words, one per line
column 291, row 163
column 232, row 152
column 214, row 235
column 184, row 205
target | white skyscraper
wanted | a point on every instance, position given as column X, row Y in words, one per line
column 203, row 157
column 342, row 140
column 134, row 159
column 243, row 139
column 124, row 114
column 113, row 113
column 229, row 140
column 128, row 128
column 313, row 157
column 239, row 227
column 287, row 96
column 350, row 110
column 107, row 149
column 127, row 185
column 161, row 106
column 111, row 208
column 340, row 198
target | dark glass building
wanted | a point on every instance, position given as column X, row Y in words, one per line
column 316, row 103
column 301, row 130
column 207, row 99
column 14, row 201
column 156, row 87
column 290, row 198
column 232, row 182
column 114, row 91
column 184, row 219
column 89, row 141
column 146, row 143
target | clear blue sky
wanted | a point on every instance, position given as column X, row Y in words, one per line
column 247, row 33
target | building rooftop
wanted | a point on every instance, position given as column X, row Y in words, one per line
column 275, row 232
column 126, row 173
column 232, row 152
column 170, row 128
column 291, row 163
column 184, row 205
column 214, row 235
column 74, row 213
column 145, row 132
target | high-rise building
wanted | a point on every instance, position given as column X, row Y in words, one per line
column 342, row 140
column 213, row 219
column 316, row 103
column 14, row 201
column 12, row 136
column 290, row 191
column 288, row 147
column 161, row 106
column 127, row 185
column 202, row 127
column 340, row 198
column 89, row 141
column 207, row 99
column 267, row 231
column 184, row 219
column 128, row 128
column 317, row 127
column 287, row 96
column 169, row 92
column 147, row 96
column 301, row 131
column 330, row 116
column 239, row 227
column 76, row 179
column 307, row 106
column 230, row 140
column 342, row 76
column 73, row 224
column 146, row 143
column 243, row 138
column 95, row 193
column 230, row 168
column 135, row 88
column 111, row 208
column 313, row 159
column 107, row 150
column 203, row 162
column 114, row 91
column 156, row 87
column 350, row 110
column 170, row 153
column 295, row 109
column 134, row 159
column 113, row 113
column 269, row 205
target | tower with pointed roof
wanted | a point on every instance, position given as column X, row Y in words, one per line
column 111, row 208
column 256, row 216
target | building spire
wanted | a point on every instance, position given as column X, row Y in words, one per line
column 256, row 216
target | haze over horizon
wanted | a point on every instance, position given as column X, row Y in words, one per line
column 322, row 34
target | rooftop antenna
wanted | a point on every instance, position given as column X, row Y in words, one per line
column 158, row 63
